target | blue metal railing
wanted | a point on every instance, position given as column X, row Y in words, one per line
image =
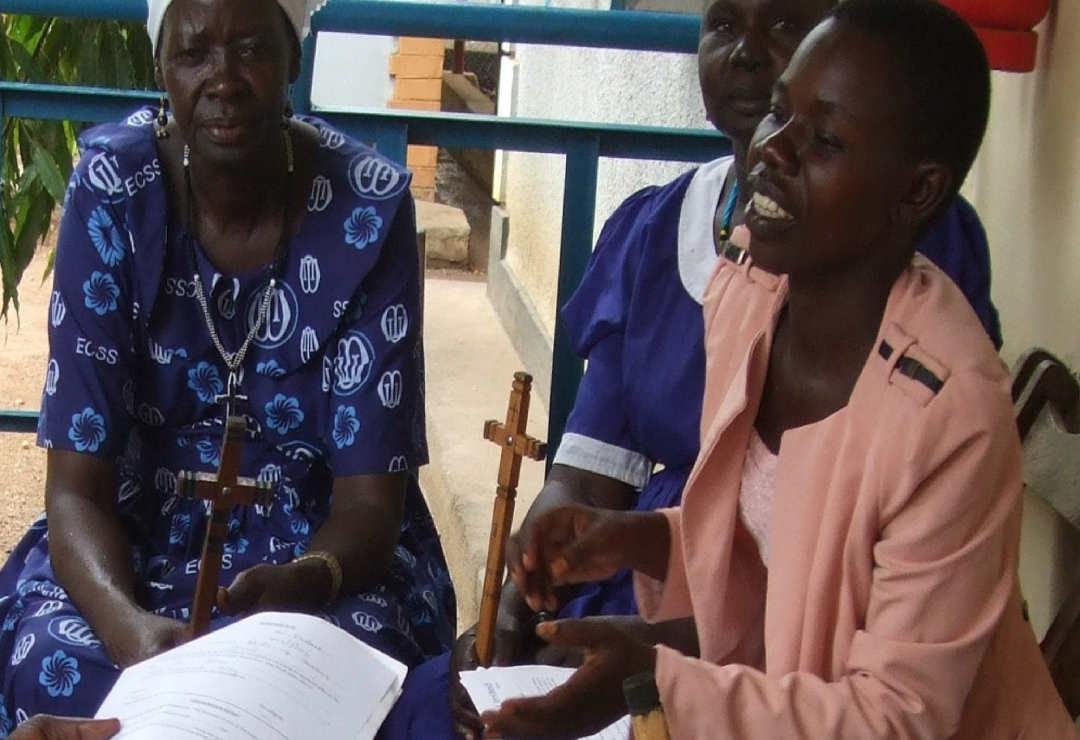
column 391, row 131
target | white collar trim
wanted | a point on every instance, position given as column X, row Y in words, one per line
column 697, row 247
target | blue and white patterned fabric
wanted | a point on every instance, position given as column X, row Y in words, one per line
column 334, row 381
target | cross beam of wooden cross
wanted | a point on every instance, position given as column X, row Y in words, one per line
column 225, row 491
column 515, row 444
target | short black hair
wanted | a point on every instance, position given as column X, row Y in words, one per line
column 943, row 78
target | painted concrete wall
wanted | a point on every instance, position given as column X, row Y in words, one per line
column 336, row 52
column 1026, row 187
column 586, row 85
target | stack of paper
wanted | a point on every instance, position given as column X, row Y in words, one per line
column 490, row 687
column 271, row 676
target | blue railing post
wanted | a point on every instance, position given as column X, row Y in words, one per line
column 578, row 215
column 392, row 140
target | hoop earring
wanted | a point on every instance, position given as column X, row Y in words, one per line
column 162, row 121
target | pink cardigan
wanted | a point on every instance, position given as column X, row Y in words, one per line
column 890, row 608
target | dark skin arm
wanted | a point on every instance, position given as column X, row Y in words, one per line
column 361, row 532
column 575, row 544
column 564, row 485
column 591, row 698
column 91, row 555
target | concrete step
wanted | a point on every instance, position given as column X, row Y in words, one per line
column 445, row 232
column 470, row 366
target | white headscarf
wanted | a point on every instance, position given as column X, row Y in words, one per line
column 298, row 11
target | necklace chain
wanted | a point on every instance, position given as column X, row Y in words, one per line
column 234, row 360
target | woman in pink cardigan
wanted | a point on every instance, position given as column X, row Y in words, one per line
column 847, row 541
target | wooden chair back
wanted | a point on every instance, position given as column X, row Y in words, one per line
column 1046, row 399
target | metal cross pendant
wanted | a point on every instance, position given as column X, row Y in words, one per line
column 231, row 396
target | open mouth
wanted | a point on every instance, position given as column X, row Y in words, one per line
column 766, row 207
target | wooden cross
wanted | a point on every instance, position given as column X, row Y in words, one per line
column 515, row 444
column 225, row 491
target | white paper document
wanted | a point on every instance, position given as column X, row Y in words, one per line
column 271, row 676
column 490, row 687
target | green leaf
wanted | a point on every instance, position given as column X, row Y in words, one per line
column 48, row 171
column 10, row 273
column 32, row 229
column 24, row 60
column 36, row 156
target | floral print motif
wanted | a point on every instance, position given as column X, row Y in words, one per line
column 105, row 237
column 100, row 293
column 87, row 430
column 236, row 544
column 362, row 227
column 346, row 425
column 180, row 528
column 270, row 368
column 59, row 674
column 208, row 451
column 206, row 382
column 283, row 414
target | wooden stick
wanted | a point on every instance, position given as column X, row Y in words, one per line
column 515, row 444
column 225, row 491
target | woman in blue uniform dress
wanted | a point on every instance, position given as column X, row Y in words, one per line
column 306, row 309
column 636, row 317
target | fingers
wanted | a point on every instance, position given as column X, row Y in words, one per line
column 245, row 592
column 47, row 727
column 588, row 701
column 566, row 711
column 523, row 718
column 531, row 553
column 99, row 729
column 524, row 565
column 591, row 634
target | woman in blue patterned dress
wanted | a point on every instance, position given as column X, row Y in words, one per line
column 229, row 249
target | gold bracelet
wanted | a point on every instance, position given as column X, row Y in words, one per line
column 332, row 563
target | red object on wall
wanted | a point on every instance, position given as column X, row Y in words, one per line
column 1005, row 29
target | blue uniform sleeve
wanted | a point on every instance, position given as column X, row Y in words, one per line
column 956, row 242
column 376, row 413
column 83, row 406
column 599, row 437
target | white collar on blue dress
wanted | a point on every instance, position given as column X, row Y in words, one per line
column 697, row 248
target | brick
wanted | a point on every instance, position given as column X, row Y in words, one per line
column 413, row 45
column 415, row 104
column 409, row 66
column 423, row 177
column 406, row 89
column 422, row 193
column 423, row 156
